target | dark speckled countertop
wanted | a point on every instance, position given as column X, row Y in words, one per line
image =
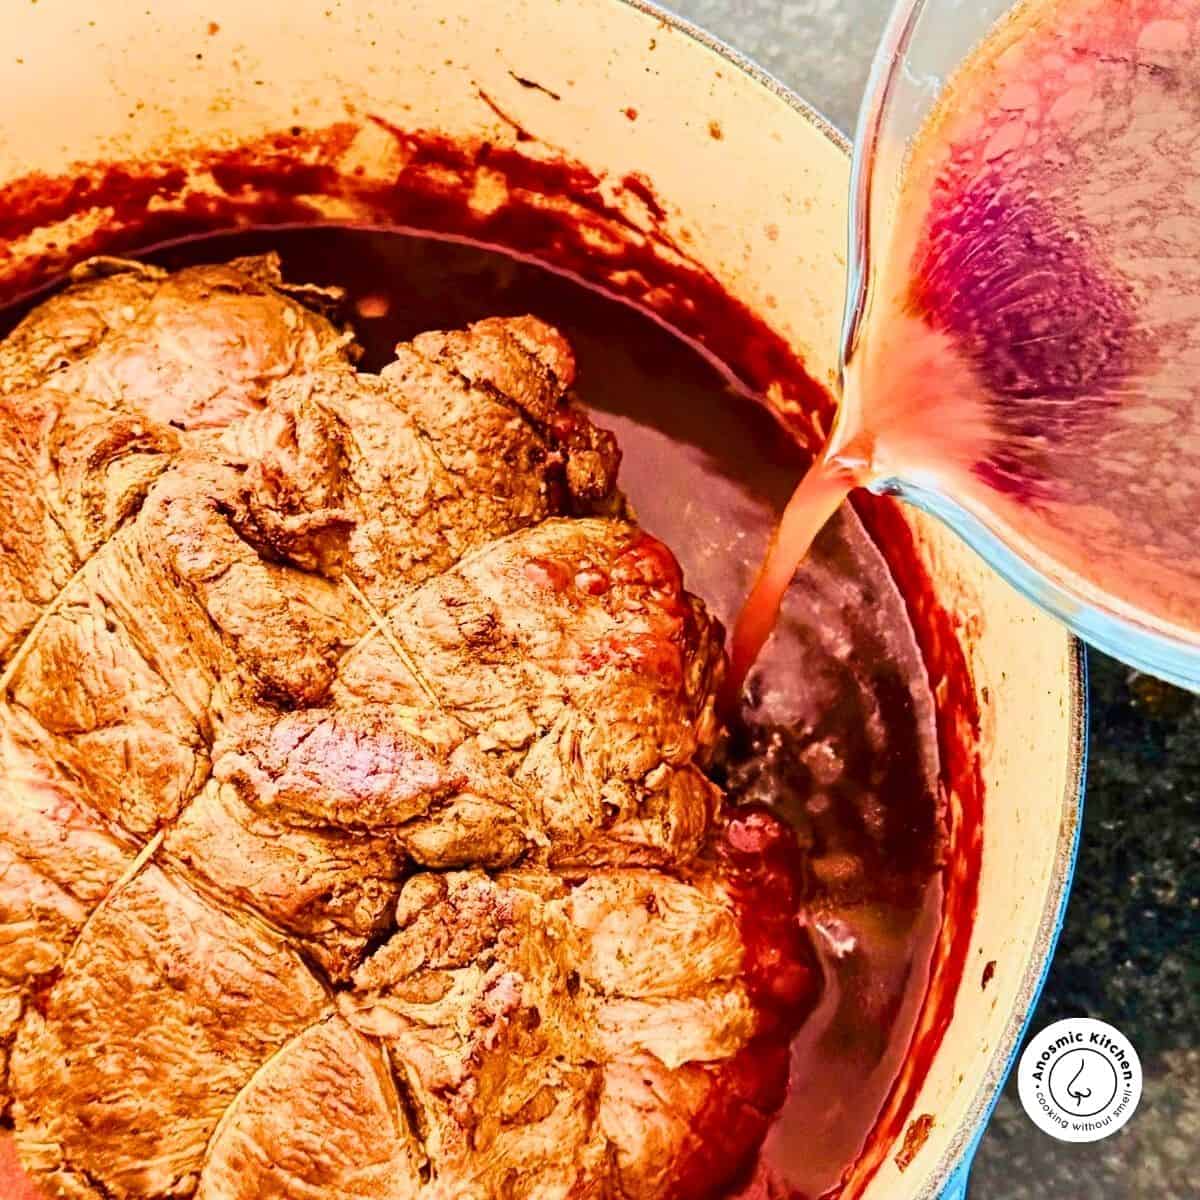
column 1130, row 951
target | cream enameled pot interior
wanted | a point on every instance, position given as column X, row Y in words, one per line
column 762, row 206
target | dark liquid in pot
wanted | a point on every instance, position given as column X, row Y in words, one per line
column 837, row 729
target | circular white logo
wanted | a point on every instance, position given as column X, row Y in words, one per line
column 1079, row 1080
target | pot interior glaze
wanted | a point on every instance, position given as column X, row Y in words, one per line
column 613, row 141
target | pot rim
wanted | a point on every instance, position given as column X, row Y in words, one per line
column 949, row 1178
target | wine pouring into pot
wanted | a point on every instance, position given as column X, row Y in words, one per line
column 1021, row 339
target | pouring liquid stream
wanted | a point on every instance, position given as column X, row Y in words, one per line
column 1026, row 362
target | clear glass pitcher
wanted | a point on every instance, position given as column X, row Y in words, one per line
column 1021, row 346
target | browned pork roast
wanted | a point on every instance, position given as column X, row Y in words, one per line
column 355, row 840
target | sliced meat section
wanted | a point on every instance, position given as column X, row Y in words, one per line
column 573, row 652
column 507, row 469
column 95, row 384
column 665, row 960
column 312, row 817
column 320, row 1121
column 71, row 473
column 692, row 1131
column 355, row 841
column 662, row 961
column 524, row 360
column 46, row 822
column 411, row 775
column 406, row 519
column 165, row 1009
column 36, row 556
column 363, row 769
column 647, row 933
column 425, row 463
column 293, row 498
column 98, row 464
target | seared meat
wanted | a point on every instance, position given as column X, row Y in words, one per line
column 571, row 654
column 562, row 988
column 95, row 387
column 355, row 840
column 322, row 1119
column 165, row 1009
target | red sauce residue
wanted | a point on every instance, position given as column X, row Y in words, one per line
column 631, row 113
column 914, row 1138
column 639, row 186
column 761, row 858
column 648, row 562
column 545, row 573
column 592, row 581
column 559, row 212
column 553, row 209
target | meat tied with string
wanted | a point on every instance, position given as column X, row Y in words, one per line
column 355, row 837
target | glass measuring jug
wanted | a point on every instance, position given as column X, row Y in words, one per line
column 1021, row 347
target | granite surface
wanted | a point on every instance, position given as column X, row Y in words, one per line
column 1130, row 951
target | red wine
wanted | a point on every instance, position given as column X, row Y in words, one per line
column 1032, row 348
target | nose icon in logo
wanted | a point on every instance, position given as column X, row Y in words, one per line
column 1077, row 1093
column 1082, row 1082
